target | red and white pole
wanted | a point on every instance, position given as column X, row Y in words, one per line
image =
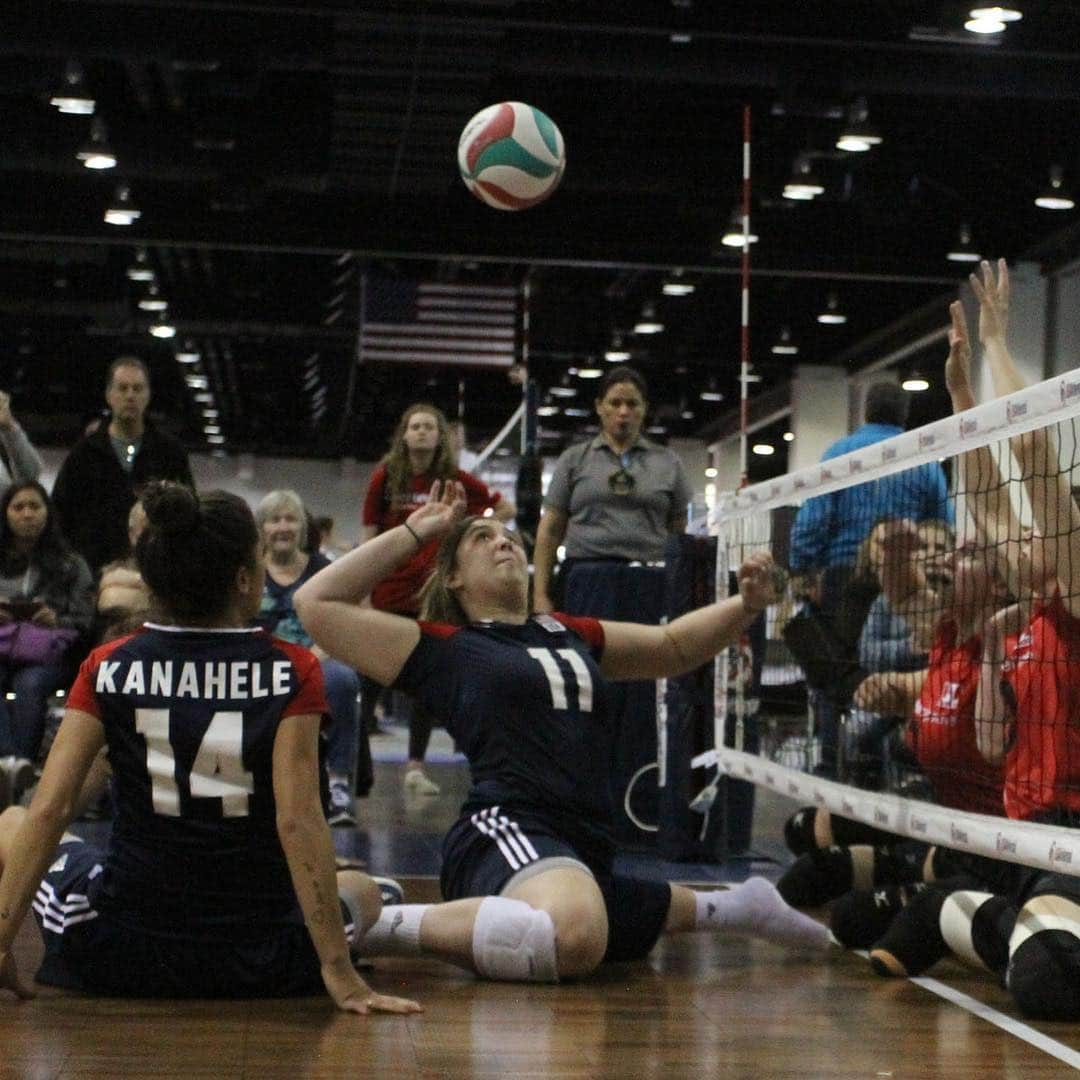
column 744, row 345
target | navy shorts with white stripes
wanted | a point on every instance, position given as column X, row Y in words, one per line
column 484, row 850
column 87, row 949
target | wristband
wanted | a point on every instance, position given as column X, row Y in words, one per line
column 412, row 533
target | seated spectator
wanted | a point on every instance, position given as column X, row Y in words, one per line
column 46, row 610
column 123, row 598
column 19, row 460
column 282, row 522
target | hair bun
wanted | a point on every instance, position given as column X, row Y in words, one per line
column 171, row 508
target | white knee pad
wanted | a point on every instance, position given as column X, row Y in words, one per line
column 514, row 942
column 955, row 921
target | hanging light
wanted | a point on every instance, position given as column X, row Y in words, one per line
column 648, row 323
column 140, row 269
column 1055, row 196
column 858, row 135
column 963, row 251
column 153, row 300
column 589, row 372
column 733, row 236
column 96, row 154
column 188, row 354
column 548, row 410
column 803, row 183
column 617, row 354
column 72, row 97
column 984, row 26
column 161, row 327
column 711, row 393
column 122, row 211
column 832, row 315
column 677, row 285
column 915, row 383
column 1001, row 13
column 764, row 449
column 789, row 436
column 784, row 344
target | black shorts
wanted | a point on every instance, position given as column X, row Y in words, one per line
column 87, row 949
column 487, row 851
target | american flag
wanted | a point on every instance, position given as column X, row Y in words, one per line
column 419, row 322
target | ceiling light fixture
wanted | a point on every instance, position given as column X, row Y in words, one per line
column 590, row 372
column 963, row 251
column 915, row 383
column 789, row 436
column 784, row 344
column 648, row 323
column 1002, row 14
column 563, row 391
column 764, row 449
column 803, row 183
column 574, row 411
column 984, row 26
column 216, row 440
column 72, row 97
column 734, row 237
column 857, row 135
column 188, row 354
column 617, row 354
column 140, row 269
column 96, row 154
column 548, row 410
column 162, row 328
column 711, row 393
column 153, row 301
column 832, row 315
column 677, row 285
column 122, row 211
column 1055, row 196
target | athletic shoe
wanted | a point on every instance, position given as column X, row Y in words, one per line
column 390, row 890
column 342, row 806
column 416, row 783
column 862, row 916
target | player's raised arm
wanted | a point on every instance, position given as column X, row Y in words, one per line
column 373, row 642
column 635, row 651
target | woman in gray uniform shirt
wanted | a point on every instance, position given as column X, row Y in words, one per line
column 614, row 501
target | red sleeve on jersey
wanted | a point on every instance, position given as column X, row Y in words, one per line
column 588, row 629
column 81, row 696
column 437, row 629
column 478, row 496
column 374, row 503
column 310, row 696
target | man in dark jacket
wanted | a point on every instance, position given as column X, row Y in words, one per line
column 104, row 472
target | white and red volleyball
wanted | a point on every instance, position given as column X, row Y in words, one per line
column 511, row 155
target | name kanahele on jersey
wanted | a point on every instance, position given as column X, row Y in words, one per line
column 190, row 719
column 527, row 705
column 1041, row 684
column 942, row 732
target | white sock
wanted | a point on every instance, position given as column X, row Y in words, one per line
column 396, row 932
column 756, row 908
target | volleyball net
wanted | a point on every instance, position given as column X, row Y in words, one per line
column 921, row 671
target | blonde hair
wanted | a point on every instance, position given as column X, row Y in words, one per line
column 398, row 469
column 283, row 498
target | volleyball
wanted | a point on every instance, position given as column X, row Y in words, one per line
column 511, row 155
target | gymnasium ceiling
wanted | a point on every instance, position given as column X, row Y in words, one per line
column 281, row 151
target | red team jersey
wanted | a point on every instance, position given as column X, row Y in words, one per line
column 942, row 733
column 1041, row 683
column 399, row 591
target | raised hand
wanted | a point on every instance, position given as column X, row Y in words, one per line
column 958, row 362
column 993, row 295
column 761, row 581
column 445, row 507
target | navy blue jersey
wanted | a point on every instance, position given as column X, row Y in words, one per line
column 528, row 707
column 190, row 719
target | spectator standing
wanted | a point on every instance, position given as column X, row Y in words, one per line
column 18, row 459
column 615, row 500
column 104, row 472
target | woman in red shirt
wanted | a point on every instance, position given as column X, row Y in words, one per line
column 420, row 453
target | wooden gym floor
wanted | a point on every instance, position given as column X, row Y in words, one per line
column 700, row 1007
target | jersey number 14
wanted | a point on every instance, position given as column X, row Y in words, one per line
column 216, row 773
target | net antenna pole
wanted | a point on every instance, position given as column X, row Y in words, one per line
column 744, row 335
column 529, row 491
